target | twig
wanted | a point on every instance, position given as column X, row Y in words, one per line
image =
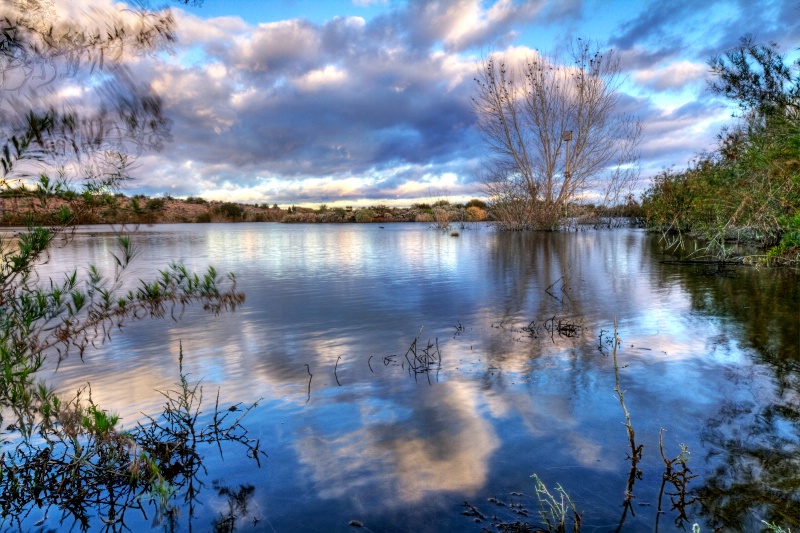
column 472, row 511
column 310, row 377
column 334, row 371
column 636, row 451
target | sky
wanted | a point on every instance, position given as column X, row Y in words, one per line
column 365, row 102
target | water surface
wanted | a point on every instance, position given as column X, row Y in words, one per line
column 711, row 357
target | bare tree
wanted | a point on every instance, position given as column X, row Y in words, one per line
column 553, row 132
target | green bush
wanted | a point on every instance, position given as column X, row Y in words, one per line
column 750, row 186
column 136, row 206
column 364, row 215
column 61, row 455
column 230, row 211
column 155, row 204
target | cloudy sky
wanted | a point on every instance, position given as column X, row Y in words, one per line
column 357, row 102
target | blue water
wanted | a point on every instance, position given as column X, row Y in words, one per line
column 370, row 441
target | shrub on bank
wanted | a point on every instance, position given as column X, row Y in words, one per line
column 299, row 218
column 364, row 215
column 749, row 187
column 229, row 211
column 154, row 204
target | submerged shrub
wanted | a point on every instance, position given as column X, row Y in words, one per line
column 475, row 214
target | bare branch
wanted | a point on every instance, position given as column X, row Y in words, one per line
column 553, row 133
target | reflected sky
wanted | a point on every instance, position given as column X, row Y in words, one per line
column 362, row 437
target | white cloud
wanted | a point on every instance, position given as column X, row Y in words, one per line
column 216, row 71
column 380, row 107
column 319, row 79
column 461, row 24
column 676, row 76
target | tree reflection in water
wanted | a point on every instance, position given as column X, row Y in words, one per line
column 755, row 445
column 757, row 458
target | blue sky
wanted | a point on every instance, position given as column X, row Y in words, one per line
column 366, row 101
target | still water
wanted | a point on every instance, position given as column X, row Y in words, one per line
column 353, row 434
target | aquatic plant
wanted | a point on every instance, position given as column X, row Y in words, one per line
column 85, row 467
column 556, row 510
column 679, row 479
column 70, row 454
column 441, row 218
column 424, row 360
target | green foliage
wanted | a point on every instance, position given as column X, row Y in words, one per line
column 749, row 188
column 230, row 211
column 77, row 312
column 756, row 77
column 789, row 246
column 155, row 204
column 196, row 200
column 364, row 215
column 98, row 422
column 85, row 464
column 774, row 528
column 71, row 454
column 136, row 206
column 747, row 191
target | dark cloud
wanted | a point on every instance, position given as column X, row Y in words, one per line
column 658, row 23
column 295, row 110
column 330, row 100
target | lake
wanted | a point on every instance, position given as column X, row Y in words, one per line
column 513, row 376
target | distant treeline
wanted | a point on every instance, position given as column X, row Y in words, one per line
column 38, row 206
